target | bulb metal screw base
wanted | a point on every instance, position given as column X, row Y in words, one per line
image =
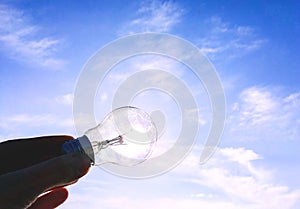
column 72, row 146
column 81, row 144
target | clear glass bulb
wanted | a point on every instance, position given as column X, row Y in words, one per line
column 125, row 137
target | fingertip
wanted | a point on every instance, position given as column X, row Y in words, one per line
column 52, row 199
column 61, row 194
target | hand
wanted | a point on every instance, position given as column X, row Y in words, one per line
column 31, row 167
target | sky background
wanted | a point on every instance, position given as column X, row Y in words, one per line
column 254, row 46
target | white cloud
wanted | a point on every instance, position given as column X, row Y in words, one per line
column 155, row 16
column 124, row 202
column 233, row 173
column 66, row 99
column 240, row 155
column 259, row 106
column 20, row 40
column 36, row 120
column 229, row 180
column 222, row 38
column 21, row 125
column 261, row 113
column 202, row 195
column 103, row 97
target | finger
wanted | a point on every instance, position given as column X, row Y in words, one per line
column 22, row 153
column 63, row 185
column 50, row 200
column 22, row 187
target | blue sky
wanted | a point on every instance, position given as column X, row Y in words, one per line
column 254, row 46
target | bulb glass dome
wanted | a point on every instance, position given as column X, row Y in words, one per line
column 125, row 137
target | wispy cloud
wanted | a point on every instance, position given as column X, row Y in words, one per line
column 154, row 16
column 126, row 202
column 33, row 121
column 65, row 99
column 229, row 180
column 25, row 125
column 52, row 116
column 232, row 171
column 22, row 40
column 223, row 38
column 262, row 113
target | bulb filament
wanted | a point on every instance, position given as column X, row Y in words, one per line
column 114, row 142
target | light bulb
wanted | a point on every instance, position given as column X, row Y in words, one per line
column 125, row 137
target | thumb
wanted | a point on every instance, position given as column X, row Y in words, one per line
column 21, row 188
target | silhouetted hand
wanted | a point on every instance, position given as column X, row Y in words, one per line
column 33, row 172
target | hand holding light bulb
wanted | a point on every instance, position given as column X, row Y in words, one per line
column 34, row 172
column 125, row 137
